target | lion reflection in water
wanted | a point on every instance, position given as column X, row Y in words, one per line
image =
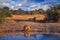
column 27, row 28
column 27, row 34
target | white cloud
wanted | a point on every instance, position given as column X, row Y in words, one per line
column 19, row 4
column 12, row 2
column 45, row 7
column 37, row 6
column 28, row 5
column 12, row 7
column 5, row 4
column 2, row 0
column 33, row 5
column 8, row 5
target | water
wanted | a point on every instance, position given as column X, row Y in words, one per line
column 29, row 36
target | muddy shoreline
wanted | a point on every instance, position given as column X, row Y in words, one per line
column 18, row 26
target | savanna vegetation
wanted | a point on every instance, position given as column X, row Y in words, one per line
column 53, row 13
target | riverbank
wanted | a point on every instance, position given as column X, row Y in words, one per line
column 11, row 26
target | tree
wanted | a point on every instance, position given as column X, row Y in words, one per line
column 7, row 12
column 20, row 11
column 41, row 11
column 4, row 12
column 2, row 15
column 52, row 14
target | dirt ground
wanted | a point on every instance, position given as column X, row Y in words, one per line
column 13, row 26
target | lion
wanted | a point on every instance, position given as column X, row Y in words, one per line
column 27, row 28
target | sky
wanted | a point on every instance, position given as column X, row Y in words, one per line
column 28, row 4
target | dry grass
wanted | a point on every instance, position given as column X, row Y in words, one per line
column 26, row 17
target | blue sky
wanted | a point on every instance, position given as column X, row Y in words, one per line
column 28, row 4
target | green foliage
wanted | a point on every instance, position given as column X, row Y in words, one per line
column 2, row 15
column 20, row 11
column 53, row 13
column 41, row 11
column 4, row 12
